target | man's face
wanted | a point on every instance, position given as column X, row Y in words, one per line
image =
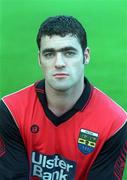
column 61, row 60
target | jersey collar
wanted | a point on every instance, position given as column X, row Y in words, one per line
column 79, row 105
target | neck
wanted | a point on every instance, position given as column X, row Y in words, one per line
column 60, row 102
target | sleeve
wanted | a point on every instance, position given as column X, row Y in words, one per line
column 110, row 162
column 13, row 156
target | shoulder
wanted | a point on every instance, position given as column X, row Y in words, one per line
column 25, row 95
column 20, row 99
column 22, row 93
column 108, row 114
column 18, row 102
column 106, row 104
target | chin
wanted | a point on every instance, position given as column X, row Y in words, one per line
column 60, row 87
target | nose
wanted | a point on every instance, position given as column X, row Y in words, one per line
column 59, row 61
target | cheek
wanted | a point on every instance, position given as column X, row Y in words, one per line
column 43, row 69
column 47, row 70
column 78, row 66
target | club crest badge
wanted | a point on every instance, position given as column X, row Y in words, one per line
column 87, row 141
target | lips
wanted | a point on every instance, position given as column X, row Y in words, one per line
column 60, row 75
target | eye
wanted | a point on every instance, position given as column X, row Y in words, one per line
column 49, row 55
column 69, row 53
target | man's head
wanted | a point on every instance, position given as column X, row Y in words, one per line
column 62, row 26
column 62, row 52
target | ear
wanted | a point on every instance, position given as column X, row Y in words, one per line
column 86, row 56
column 39, row 58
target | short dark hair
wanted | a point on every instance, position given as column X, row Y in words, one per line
column 62, row 26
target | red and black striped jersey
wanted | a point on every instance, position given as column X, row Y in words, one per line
column 87, row 142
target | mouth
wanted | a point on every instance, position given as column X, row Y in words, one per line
column 60, row 75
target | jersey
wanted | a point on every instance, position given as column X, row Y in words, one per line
column 87, row 142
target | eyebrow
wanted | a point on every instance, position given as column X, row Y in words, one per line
column 59, row 50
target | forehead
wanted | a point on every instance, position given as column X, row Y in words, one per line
column 58, row 42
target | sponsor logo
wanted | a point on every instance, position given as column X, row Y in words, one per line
column 87, row 141
column 34, row 128
column 52, row 167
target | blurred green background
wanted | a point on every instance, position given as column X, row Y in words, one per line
column 106, row 25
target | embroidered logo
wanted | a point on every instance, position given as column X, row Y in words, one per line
column 87, row 141
column 34, row 128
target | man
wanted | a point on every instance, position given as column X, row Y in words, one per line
column 62, row 127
